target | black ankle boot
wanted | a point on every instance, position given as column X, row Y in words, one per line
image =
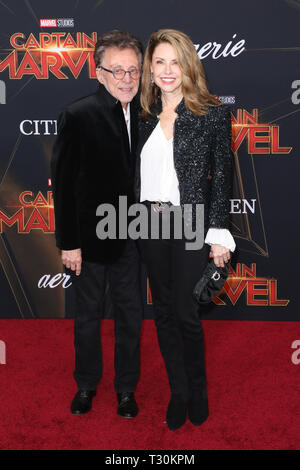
column 176, row 412
column 198, row 407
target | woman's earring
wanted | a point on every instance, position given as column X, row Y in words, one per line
column 151, row 77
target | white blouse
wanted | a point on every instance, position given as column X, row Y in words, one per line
column 159, row 181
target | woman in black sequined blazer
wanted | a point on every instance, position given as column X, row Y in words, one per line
column 185, row 157
column 202, row 159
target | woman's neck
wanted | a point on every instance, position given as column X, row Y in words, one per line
column 170, row 100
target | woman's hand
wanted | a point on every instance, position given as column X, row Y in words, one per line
column 220, row 254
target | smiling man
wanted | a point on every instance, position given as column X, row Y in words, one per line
column 93, row 163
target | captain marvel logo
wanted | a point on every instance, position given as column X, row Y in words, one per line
column 262, row 138
column 50, row 53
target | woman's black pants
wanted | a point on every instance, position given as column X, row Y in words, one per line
column 173, row 272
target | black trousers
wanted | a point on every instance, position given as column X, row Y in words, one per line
column 124, row 282
column 173, row 272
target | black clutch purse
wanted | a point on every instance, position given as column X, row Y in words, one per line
column 211, row 282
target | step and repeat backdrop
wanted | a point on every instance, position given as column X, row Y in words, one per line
column 250, row 51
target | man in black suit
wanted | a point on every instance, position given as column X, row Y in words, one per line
column 93, row 163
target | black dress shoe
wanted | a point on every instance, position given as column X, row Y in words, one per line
column 176, row 412
column 198, row 408
column 127, row 405
column 82, row 402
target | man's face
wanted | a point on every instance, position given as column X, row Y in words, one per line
column 114, row 59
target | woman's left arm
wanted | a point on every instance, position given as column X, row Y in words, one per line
column 218, row 235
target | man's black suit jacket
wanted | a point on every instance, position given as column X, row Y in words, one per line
column 92, row 164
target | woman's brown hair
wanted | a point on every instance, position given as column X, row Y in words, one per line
column 194, row 87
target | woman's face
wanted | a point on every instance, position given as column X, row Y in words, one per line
column 167, row 74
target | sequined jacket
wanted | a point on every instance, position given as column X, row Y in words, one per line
column 202, row 159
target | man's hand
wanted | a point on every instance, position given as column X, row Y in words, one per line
column 72, row 259
column 220, row 254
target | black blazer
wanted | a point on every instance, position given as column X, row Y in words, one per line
column 202, row 159
column 92, row 164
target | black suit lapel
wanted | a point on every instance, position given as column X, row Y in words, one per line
column 119, row 113
column 116, row 110
column 145, row 130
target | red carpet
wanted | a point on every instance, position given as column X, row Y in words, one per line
column 253, row 388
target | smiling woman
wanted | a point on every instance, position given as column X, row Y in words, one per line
column 185, row 158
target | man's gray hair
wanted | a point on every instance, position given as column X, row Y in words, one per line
column 119, row 39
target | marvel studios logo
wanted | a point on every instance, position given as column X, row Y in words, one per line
column 57, row 23
column 227, row 99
